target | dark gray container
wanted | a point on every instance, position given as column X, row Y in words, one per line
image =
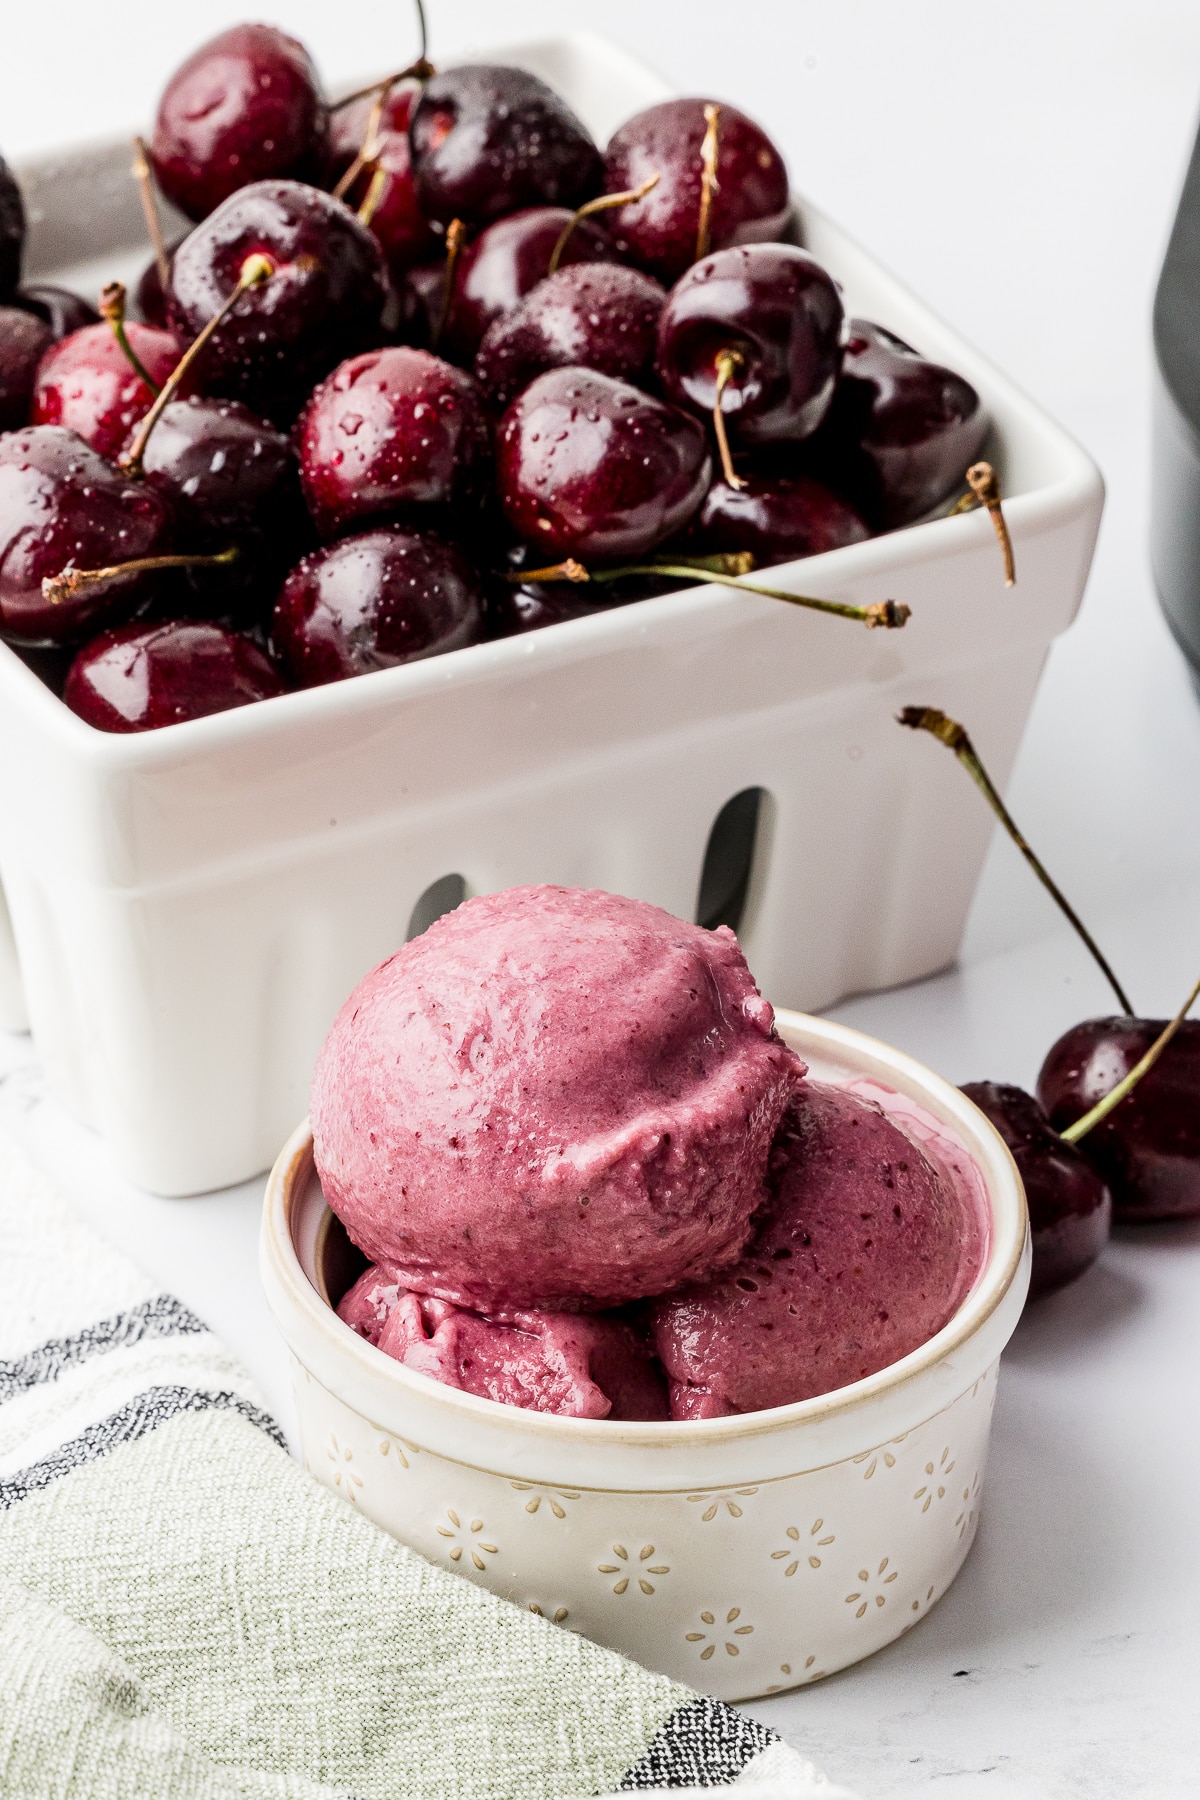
column 1175, row 480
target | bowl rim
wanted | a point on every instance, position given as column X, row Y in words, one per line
column 1005, row 1263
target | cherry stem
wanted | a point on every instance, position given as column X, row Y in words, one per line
column 369, row 148
column 728, row 363
column 890, row 614
column 141, row 174
column 420, row 70
column 1115, row 1095
column 984, row 484
column 456, row 232
column 57, row 588
column 374, row 195
column 709, row 185
column 255, row 270
column 949, row 732
column 112, row 309
column 601, row 203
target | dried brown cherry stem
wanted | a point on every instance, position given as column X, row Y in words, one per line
column 255, row 270
column 601, row 203
column 949, row 732
column 709, row 185
column 141, row 174
column 57, row 588
column 368, row 150
column 111, row 306
column 728, row 362
column 456, row 232
column 373, row 196
column 985, row 486
column 888, row 614
column 1115, row 1095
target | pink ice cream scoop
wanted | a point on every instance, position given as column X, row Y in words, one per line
column 554, row 1098
column 867, row 1247
column 581, row 1366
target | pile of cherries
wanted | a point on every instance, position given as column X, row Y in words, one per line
column 453, row 341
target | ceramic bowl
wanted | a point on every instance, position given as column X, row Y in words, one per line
column 740, row 1555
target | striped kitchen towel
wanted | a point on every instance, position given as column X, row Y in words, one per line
column 186, row 1615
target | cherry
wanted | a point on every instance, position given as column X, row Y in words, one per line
column 776, row 517
column 900, row 431
column 57, row 307
column 502, row 265
column 488, row 139
column 86, row 383
column 391, row 432
column 590, row 467
column 244, row 107
column 322, row 302
column 24, row 340
column 141, row 677
column 757, row 328
column 513, row 610
column 403, row 231
column 1148, row 1148
column 1070, row 1208
column 12, row 232
column 373, row 601
column 749, row 200
column 63, row 505
column 600, row 316
column 150, row 297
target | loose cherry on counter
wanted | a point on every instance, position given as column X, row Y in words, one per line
column 748, row 200
column 775, row 516
column 12, row 232
column 590, row 467
column 24, row 340
column 487, row 139
column 364, row 140
column 57, row 307
column 244, row 107
column 391, row 432
column 141, row 677
column 373, row 601
column 601, row 316
column 85, row 382
column 64, row 505
column 322, row 302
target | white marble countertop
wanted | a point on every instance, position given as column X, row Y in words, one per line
column 1019, row 166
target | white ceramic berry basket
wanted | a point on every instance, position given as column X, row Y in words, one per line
column 740, row 1555
column 189, row 907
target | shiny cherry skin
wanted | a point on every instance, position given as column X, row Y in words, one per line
column 502, row 265
column 391, row 433
column 86, row 383
column 590, row 467
column 323, row 302
column 62, row 504
column 12, row 232
column 1070, row 1208
column 901, row 431
column 591, row 316
column 488, row 139
column 142, row 677
column 405, row 234
column 659, row 232
column 57, row 307
column 776, row 309
column 373, row 601
column 1148, row 1148
column 24, row 340
column 513, row 610
column 244, row 107
column 777, row 517
column 149, row 295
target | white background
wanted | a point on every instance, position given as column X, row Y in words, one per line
column 1018, row 164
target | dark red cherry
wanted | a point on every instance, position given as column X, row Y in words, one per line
column 149, row 295
column 63, row 505
column 24, row 340
column 1070, row 1208
column 323, row 302
column 777, row 312
column 86, row 383
column 12, row 232
column 244, row 107
column 590, row 467
column 599, row 316
column 900, row 432
column 405, row 234
column 57, row 307
column 659, row 233
column 512, row 611
column 1148, row 1148
column 141, row 677
column 777, row 517
column 373, row 601
column 488, row 139
column 503, row 264
column 391, row 432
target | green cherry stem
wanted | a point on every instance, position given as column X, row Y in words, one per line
column 57, row 588
column 111, row 305
column 589, row 207
column 1115, row 1095
column 890, row 614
